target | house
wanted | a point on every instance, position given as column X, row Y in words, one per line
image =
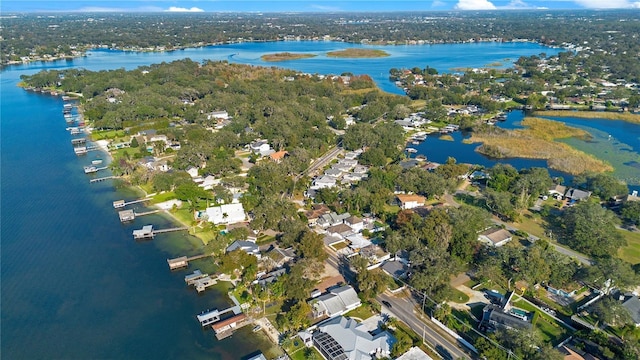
column 343, row 338
column 247, row 246
column 314, row 214
column 209, row 182
column 566, row 292
column 357, row 241
column 632, row 304
column 354, row 223
column 414, row 353
column 223, row 214
column 571, row 353
column 279, row 257
column 557, row 191
column 258, row 357
column 323, row 182
column 192, row 171
column 577, row 194
column 410, row 201
column 332, row 219
column 278, row 156
column 337, row 302
column 340, row 230
column 395, row 269
column 494, row 317
column 374, row 254
column 495, row 237
column 223, row 115
column 333, row 172
column 261, row 147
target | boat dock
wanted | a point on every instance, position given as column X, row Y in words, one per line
column 102, row 179
column 203, row 283
column 129, row 215
column 94, row 169
column 147, row 231
column 225, row 327
column 183, row 261
column 78, row 141
column 121, row 203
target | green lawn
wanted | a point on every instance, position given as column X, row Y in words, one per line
column 169, row 195
column 363, row 312
column 458, row 296
column 631, row 252
column 546, row 326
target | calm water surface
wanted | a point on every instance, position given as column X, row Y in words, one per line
column 74, row 283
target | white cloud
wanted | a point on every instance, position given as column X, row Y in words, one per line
column 180, row 9
column 97, row 9
column 516, row 4
column 607, row 4
column 474, row 5
column 325, row 8
column 437, row 4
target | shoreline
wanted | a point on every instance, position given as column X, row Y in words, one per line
column 85, row 51
column 590, row 114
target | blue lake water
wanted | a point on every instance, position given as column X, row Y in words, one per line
column 74, row 283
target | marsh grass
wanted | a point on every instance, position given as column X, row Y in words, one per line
column 537, row 141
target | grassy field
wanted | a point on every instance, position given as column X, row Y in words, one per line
column 358, row 53
column 458, row 296
column 362, row 312
column 631, row 252
column 106, row 134
column 592, row 115
column 546, row 326
column 284, row 56
column 536, row 141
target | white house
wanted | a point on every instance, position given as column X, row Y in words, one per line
column 223, row 214
column 192, row 171
column 345, row 338
column 323, row 182
column 218, row 115
column 261, row 147
column 337, row 302
column 410, row 201
column 495, row 237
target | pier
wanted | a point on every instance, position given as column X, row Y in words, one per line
column 183, row 261
column 94, row 169
column 130, row 215
column 122, row 203
column 78, row 141
column 103, row 179
column 225, row 327
column 147, row 231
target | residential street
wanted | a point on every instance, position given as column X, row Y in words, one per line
column 402, row 308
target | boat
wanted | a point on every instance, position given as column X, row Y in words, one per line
column 96, row 162
column 411, row 150
column 415, row 142
column 257, row 328
column 421, row 158
column 90, row 169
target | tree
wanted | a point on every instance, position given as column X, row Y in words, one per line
column 591, row 229
column 611, row 312
column 402, row 345
column 631, row 212
column 311, row 246
column 134, row 142
column 603, row 185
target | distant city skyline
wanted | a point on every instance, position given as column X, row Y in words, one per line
column 12, row 6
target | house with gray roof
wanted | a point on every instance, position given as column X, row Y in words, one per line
column 337, row 302
column 247, row 246
column 632, row 304
column 577, row 194
column 343, row 338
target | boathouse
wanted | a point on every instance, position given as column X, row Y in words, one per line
column 226, row 327
column 144, row 233
column 126, row 215
column 209, row 317
column 178, row 263
column 118, row 204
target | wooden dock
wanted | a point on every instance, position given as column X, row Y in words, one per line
column 147, row 212
column 147, row 232
column 102, row 179
column 130, row 215
column 121, row 203
column 183, row 261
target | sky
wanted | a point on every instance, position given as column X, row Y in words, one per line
column 9, row 6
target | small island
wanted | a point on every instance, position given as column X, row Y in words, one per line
column 284, row 56
column 358, row 53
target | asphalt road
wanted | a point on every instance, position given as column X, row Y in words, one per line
column 402, row 308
